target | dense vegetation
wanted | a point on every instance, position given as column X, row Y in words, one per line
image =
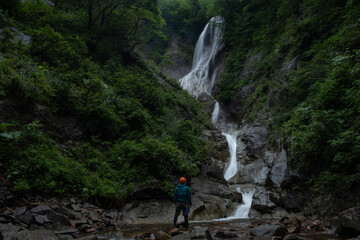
column 136, row 129
column 305, row 53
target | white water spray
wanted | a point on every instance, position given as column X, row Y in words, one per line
column 202, row 77
column 242, row 211
column 201, row 80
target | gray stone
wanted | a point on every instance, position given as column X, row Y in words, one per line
column 113, row 214
column 58, row 218
column 41, row 219
column 16, row 36
column 71, row 214
column 293, row 237
column 226, row 234
column 76, row 207
column 33, row 235
column 278, row 170
column 65, row 237
column 41, row 209
column 66, row 230
column 8, row 229
column 261, row 200
column 350, row 218
column 198, row 233
column 28, row 218
column 349, row 222
column 93, row 216
column 19, row 211
column 80, row 222
column 268, row 230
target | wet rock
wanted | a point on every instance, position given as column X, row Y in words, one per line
column 349, row 222
column 71, row 214
column 58, row 218
column 113, row 214
column 3, row 220
column 268, row 230
column 149, row 211
column 41, row 209
column 33, row 235
column 294, row 202
column 93, row 216
column 206, row 207
column 76, row 207
column 262, row 201
column 80, row 222
column 28, row 218
column 8, row 229
column 41, row 219
column 117, row 223
column 66, row 230
column 16, row 35
column 19, row 211
column 278, row 170
column 226, row 234
column 293, row 237
column 65, row 237
column 160, row 235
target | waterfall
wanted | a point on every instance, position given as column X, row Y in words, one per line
column 242, row 211
column 201, row 80
column 203, row 74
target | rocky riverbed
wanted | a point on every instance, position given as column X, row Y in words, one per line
column 71, row 218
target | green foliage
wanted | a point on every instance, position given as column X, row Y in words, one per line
column 135, row 128
column 309, row 52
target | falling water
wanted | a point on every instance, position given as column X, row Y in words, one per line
column 242, row 211
column 201, row 80
column 202, row 77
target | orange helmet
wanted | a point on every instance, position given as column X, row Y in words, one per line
column 182, row 180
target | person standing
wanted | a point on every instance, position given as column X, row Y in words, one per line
column 182, row 199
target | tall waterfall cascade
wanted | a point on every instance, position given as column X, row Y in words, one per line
column 201, row 80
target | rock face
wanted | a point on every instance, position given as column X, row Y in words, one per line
column 349, row 222
column 15, row 35
column 176, row 65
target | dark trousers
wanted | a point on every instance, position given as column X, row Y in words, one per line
column 180, row 206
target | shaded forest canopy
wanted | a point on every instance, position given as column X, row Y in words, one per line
column 82, row 64
column 305, row 76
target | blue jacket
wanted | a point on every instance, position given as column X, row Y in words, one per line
column 182, row 194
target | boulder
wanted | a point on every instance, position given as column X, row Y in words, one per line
column 19, row 211
column 206, row 207
column 8, row 229
column 41, row 209
column 28, row 218
column 16, row 35
column 32, row 235
column 349, row 222
column 225, row 234
column 58, row 218
column 293, row 202
column 262, row 200
column 148, row 211
column 67, row 212
column 41, row 219
column 278, row 169
column 268, row 230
